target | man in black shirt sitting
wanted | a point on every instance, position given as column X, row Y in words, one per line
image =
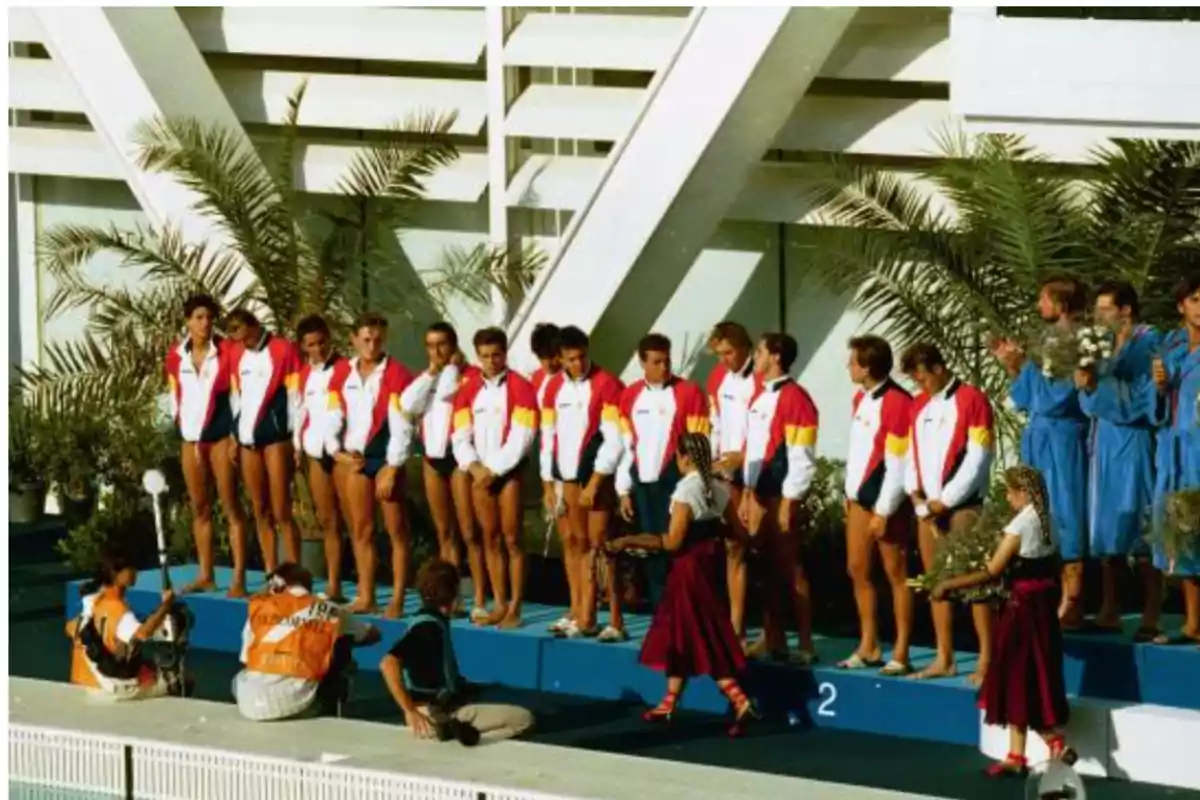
column 421, row 671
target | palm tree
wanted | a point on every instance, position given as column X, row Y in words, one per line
column 332, row 257
column 960, row 264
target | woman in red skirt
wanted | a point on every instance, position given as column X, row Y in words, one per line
column 1024, row 686
column 691, row 633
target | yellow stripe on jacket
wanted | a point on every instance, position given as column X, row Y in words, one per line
column 981, row 436
column 800, row 436
column 897, row 445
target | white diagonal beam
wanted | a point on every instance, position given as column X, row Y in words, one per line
column 710, row 115
column 132, row 64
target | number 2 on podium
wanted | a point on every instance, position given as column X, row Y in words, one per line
column 828, row 693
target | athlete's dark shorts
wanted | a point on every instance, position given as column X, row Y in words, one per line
column 443, row 466
column 497, row 485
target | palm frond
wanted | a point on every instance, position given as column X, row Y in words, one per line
column 398, row 167
column 476, row 273
column 234, row 190
column 163, row 256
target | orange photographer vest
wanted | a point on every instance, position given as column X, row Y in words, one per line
column 107, row 611
column 292, row 635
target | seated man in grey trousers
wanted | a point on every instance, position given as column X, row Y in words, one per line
column 421, row 672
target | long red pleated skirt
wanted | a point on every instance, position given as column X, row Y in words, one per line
column 691, row 633
column 1024, row 684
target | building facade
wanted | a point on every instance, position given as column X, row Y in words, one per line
column 657, row 156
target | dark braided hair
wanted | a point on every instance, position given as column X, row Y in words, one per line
column 1026, row 479
column 698, row 449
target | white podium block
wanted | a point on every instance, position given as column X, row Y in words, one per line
column 1155, row 744
column 1087, row 733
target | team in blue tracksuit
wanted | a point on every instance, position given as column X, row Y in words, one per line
column 1055, row 442
column 1121, row 467
column 1179, row 439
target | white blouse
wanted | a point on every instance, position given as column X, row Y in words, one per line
column 1027, row 525
column 690, row 492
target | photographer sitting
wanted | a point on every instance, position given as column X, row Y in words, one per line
column 296, row 648
column 421, row 672
column 107, row 654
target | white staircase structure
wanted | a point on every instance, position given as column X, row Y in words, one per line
column 709, row 117
column 126, row 65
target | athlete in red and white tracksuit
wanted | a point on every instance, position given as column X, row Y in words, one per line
column 429, row 402
column 946, row 476
column 264, row 399
column 729, row 395
column 199, row 374
column 375, row 439
column 778, row 468
column 582, row 448
column 655, row 411
column 878, row 514
column 316, row 441
column 495, row 423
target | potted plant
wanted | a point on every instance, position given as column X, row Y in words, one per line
column 26, row 485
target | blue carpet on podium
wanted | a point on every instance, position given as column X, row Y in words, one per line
column 1103, row 666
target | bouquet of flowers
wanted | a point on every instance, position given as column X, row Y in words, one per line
column 963, row 553
column 1096, row 343
column 1061, row 351
column 1181, row 526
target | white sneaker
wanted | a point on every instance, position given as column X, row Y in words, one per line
column 611, row 634
column 560, row 625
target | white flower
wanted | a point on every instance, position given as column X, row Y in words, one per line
column 1086, row 361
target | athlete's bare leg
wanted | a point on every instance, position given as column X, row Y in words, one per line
column 281, row 469
column 487, row 512
column 464, row 510
column 893, row 554
column 599, row 521
column 220, row 461
column 575, row 548
column 197, row 477
column 943, row 665
column 511, row 528
column 860, row 554
column 735, row 567
column 360, row 500
column 441, row 508
column 254, row 476
column 395, row 522
column 325, row 501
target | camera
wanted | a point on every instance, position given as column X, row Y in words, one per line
column 450, row 728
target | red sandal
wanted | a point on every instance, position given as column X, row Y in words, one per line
column 664, row 711
column 1013, row 765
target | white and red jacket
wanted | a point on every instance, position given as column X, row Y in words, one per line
column 365, row 411
column 781, row 440
column 581, row 420
column 879, row 448
column 951, row 453
column 200, row 402
column 495, row 422
column 264, row 390
column 538, row 380
column 729, row 395
column 652, row 420
column 431, row 401
column 317, row 410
